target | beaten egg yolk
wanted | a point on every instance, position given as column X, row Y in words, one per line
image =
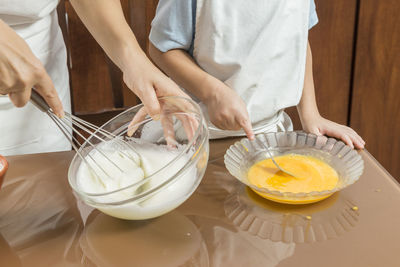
column 311, row 173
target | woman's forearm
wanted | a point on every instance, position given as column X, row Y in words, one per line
column 181, row 67
column 307, row 107
column 106, row 22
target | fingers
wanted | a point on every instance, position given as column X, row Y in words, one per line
column 194, row 125
column 20, row 98
column 46, row 89
column 180, row 106
column 187, row 123
column 357, row 144
column 348, row 135
column 168, row 128
column 138, row 118
column 247, row 127
column 356, row 139
column 347, row 140
column 150, row 101
column 338, row 132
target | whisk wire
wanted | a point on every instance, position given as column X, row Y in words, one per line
column 80, row 126
column 67, row 132
column 108, row 135
column 68, row 126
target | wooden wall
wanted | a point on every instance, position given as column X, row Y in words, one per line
column 141, row 14
column 356, row 53
column 375, row 108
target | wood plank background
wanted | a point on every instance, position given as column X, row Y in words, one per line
column 375, row 109
column 356, row 54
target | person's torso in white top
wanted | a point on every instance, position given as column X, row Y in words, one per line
column 27, row 130
column 258, row 48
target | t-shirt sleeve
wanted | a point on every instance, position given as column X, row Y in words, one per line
column 313, row 15
column 173, row 25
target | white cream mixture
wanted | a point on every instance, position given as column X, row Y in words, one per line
column 131, row 166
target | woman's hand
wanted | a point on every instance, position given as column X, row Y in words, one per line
column 227, row 110
column 20, row 70
column 321, row 126
column 149, row 83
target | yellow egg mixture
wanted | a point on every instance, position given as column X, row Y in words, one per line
column 311, row 173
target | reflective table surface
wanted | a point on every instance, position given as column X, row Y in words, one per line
column 222, row 224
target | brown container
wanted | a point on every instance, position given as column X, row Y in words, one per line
column 3, row 168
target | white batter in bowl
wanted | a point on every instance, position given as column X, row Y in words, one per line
column 158, row 176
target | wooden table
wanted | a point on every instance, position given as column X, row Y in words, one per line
column 221, row 224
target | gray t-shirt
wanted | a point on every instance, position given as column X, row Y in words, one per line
column 175, row 21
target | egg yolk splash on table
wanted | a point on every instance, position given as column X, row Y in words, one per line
column 311, row 173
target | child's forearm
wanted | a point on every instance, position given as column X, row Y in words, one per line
column 181, row 67
column 310, row 118
column 226, row 109
column 307, row 108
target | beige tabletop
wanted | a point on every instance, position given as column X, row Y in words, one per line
column 221, row 224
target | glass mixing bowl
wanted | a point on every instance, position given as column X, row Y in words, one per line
column 346, row 161
column 167, row 188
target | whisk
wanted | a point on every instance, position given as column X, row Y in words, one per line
column 273, row 159
column 70, row 125
column 257, row 141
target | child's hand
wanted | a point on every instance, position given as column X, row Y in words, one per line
column 321, row 126
column 227, row 110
